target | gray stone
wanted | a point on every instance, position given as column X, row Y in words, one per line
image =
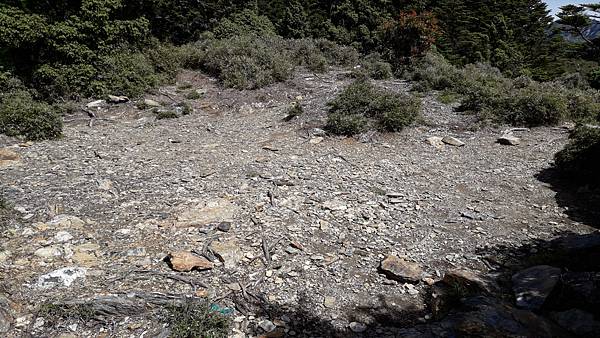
column 96, row 104
column 151, row 103
column 509, row 140
column 469, row 281
column 453, row 141
column 224, row 226
column 267, row 325
column 358, row 327
column 117, row 99
column 436, row 141
column 532, row 286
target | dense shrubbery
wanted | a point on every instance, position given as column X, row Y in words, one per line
column 581, row 157
column 362, row 106
column 249, row 61
column 521, row 101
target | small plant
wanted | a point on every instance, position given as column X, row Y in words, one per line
column 60, row 312
column 294, row 112
column 186, row 108
column 196, row 319
column 448, row 97
column 185, row 86
column 361, row 107
column 374, row 67
column 166, row 114
column 193, row 95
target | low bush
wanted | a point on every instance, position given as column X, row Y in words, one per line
column 362, row 106
column 521, row 101
column 374, row 67
column 246, row 22
column 21, row 115
column 294, row 112
column 594, row 78
column 581, row 156
column 250, row 62
column 196, row 319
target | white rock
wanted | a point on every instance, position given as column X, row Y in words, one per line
column 63, row 236
column 117, row 99
column 96, row 104
column 436, row 141
column 48, row 252
column 61, row 277
column 453, row 141
column 151, row 103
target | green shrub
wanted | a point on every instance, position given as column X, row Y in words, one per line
column 196, row 319
column 581, row 156
column 594, row 78
column 374, row 67
column 166, row 114
column 21, row 115
column 294, row 112
column 193, row 95
column 242, row 62
column 318, row 54
column 246, row 22
column 361, row 107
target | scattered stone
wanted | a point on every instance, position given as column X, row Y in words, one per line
column 335, row 205
column 6, row 318
column 8, row 158
column 453, row 141
column 316, row 140
column 329, row 302
column 105, row 184
column 532, row 286
column 61, row 277
column 436, row 141
column 267, row 325
column 296, row 245
column 224, row 226
column 401, row 270
column 185, row 261
column 117, row 99
column 394, row 195
column 48, row 252
column 65, row 221
column 357, row 327
column 96, row 104
column 509, row 140
column 63, row 236
column 151, row 103
column 214, row 211
column 270, row 148
column 228, row 252
column 5, row 255
column 202, row 293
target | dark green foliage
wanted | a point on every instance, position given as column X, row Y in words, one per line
column 196, row 319
column 594, row 78
column 246, row 22
column 193, row 95
column 56, row 313
column 294, row 112
column 581, row 156
column 492, row 96
column 166, row 114
column 361, row 107
column 21, row 115
column 243, row 62
column 374, row 67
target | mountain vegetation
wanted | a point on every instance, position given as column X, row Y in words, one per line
column 506, row 60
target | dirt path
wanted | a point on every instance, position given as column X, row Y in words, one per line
column 134, row 190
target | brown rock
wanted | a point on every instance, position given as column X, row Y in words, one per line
column 214, row 211
column 469, row 281
column 403, row 271
column 186, row 261
column 8, row 158
column 228, row 252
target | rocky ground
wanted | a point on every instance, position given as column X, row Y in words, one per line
column 289, row 226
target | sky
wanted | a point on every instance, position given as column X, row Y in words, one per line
column 554, row 5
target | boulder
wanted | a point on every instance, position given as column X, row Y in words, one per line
column 578, row 322
column 509, row 140
column 401, row 270
column 532, row 286
column 470, row 282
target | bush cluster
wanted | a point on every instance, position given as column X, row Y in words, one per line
column 22, row 115
column 581, row 156
column 488, row 93
column 250, row 61
column 362, row 107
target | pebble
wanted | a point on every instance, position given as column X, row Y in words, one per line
column 357, row 327
column 267, row 325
